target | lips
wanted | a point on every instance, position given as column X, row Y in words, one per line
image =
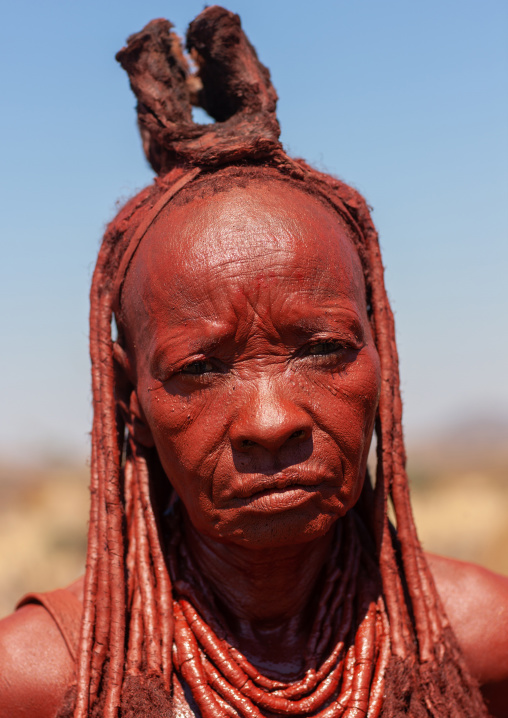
column 273, row 501
column 251, row 487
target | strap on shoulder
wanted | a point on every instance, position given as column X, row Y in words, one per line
column 66, row 611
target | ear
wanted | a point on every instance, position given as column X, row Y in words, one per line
column 138, row 425
column 127, row 398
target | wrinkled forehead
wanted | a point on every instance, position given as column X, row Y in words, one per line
column 264, row 218
column 266, row 226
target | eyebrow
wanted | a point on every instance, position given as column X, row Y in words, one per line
column 326, row 321
column 192, row 345
column 214, row 334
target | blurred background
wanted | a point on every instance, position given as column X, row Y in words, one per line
column 406, row 101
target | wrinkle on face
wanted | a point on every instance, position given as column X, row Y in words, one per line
column 246, row 280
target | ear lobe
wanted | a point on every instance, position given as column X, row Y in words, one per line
column 127, row 398
column 137, row 423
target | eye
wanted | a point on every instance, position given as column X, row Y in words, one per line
column 327, row 347
column 197, row 367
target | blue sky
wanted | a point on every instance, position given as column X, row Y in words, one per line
column 406, row 101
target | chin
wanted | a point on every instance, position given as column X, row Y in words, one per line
column 274, row 530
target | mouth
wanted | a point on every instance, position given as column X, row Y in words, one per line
column 281, row 491
column 273, row 500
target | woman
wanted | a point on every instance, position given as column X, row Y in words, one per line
column 240, row 560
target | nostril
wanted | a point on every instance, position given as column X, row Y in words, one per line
column 300, row 434
column 247, row 443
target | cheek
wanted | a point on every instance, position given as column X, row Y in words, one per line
column 187, row 430
column 185, row 435
column 345, row 409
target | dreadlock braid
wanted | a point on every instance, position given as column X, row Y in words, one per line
column 380, row 631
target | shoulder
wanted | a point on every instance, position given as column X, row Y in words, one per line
column 476, row 602
column 36, row 666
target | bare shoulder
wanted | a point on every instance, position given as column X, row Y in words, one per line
column 35, row 665
column 476, row 601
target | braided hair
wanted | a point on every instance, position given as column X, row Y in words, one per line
column 147, row 629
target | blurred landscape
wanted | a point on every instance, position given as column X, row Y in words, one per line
column 459, row 483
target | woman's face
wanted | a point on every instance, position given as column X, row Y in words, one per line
column 255, row 372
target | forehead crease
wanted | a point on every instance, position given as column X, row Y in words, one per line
column 251, row 289
column 185, row 248
column 269, row 214
column 245, row 260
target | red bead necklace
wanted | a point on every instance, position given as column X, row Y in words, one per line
column 349, row 637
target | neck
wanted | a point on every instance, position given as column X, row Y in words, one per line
column 266, row 597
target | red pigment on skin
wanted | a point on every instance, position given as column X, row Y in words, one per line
column 255, row 356
column 391, row 648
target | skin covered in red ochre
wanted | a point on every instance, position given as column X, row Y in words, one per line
column 254, row 373
column 269, row 398
column 254, row 363
column 257, row 379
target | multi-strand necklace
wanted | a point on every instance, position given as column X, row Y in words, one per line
column 349, row 639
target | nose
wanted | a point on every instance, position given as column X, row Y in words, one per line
column 269, row 418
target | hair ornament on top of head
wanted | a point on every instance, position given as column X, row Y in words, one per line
column 383, row 645
column 230, row 84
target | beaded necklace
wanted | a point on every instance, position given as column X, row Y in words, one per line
column 350, row 631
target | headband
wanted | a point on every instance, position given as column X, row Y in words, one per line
column 143, row 228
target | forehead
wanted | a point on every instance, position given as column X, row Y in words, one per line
column 249, row 235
